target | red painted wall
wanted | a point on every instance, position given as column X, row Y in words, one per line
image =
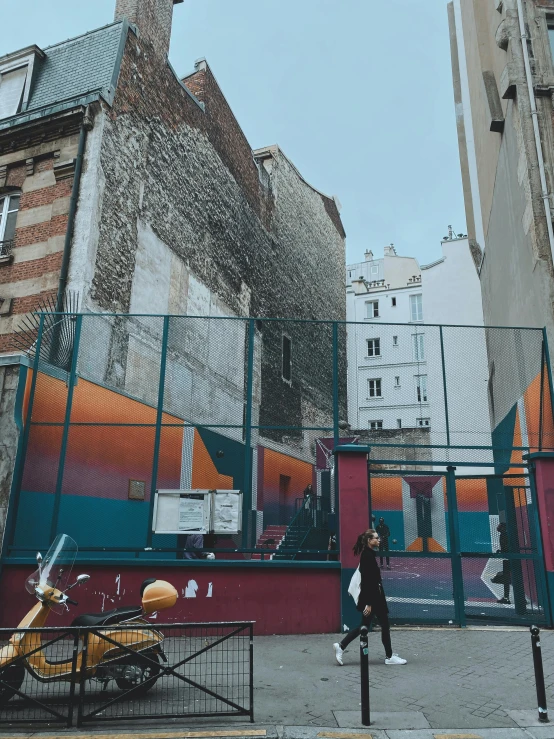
column 545, row 498
column 354, row 507
column 281, row 601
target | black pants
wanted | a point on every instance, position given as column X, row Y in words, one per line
column 384, row 547
column 383, row 618
column 507, row 577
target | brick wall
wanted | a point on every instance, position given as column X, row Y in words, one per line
column 32, row 276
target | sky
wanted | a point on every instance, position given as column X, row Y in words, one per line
column 357, row 93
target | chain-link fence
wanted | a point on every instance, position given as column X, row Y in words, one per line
column 118, row 407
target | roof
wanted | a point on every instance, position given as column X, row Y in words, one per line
column 75, row 70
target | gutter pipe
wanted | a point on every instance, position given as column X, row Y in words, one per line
column 535, row 118
column 86, row 126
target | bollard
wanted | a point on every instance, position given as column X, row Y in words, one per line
column 364, row 675
column 539, row 674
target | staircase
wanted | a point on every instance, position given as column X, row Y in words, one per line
column 270, row 539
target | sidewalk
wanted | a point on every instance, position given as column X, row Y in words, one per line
column 458, row 684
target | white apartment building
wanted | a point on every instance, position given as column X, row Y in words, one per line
column 395, row 346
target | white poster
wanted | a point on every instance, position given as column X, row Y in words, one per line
column 191, row 514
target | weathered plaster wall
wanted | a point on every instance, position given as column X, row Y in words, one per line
column 9, row 436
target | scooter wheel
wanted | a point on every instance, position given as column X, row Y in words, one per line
column 146, row 670
column 12, row 678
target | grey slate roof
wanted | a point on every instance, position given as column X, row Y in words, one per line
column 74, row 69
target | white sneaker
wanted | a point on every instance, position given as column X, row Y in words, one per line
column 338, row 652
column 395, row 660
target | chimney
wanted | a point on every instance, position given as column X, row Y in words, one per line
column 153, row 19
column 390, row 251
column 368, row 255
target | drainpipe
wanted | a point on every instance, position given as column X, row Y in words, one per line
column 535, row 118
column 85, row 127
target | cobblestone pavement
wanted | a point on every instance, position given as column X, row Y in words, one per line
column 458, row 678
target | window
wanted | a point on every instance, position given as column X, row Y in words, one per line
column 287, row 359
column 372, row 309
column 416, row 307
column 423, row 422
column 375, row 425
column 374, row 387
column 375, row 271
column 399, row 423
column 421, row 388
column 393, row 302
column 418, row 347
column 374, row 347
column 395, row 340
column 9, row 205
column 12, row 84
column 397, row 381
column 551, row 37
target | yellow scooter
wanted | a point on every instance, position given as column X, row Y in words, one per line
column 105, row 660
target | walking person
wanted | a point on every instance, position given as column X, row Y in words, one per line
column 371, row 602
column 384, row 535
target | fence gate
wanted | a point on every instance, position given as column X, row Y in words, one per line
column 459, row 548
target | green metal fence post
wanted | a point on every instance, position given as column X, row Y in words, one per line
column 335, row 476
column 158, row 434
column 550, row 442
column 455, row 552
column 20, row 460
column 247, row 484
column 335, row 383
column 444, row 388
column 66, row 424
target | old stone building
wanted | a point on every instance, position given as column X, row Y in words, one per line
column 136, row 192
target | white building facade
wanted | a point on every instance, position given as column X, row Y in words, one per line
column 396, row 342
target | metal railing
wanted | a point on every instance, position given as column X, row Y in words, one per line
column 189, row 670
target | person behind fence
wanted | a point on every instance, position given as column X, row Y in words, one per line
column 372, row 601
column 332, row 547
column 193, row 546
column 308, row 496
column 384, row 534
column 505, row 576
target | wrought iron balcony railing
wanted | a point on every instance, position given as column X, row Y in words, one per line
column 6, row 249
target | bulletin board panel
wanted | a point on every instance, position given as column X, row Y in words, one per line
column 197, row 512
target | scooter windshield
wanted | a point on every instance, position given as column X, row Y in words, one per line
column 55, row 569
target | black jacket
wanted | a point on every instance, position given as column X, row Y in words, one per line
column 371, row 593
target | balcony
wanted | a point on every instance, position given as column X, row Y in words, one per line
column 6, row 256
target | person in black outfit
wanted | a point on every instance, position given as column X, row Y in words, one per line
column 506, row 573
column 384, row 534
column 371, row 602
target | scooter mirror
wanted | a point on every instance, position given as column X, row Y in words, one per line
column 82, row 578
column 39, row 557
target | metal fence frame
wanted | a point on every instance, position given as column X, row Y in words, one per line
column 76, row 702
column 385, row 451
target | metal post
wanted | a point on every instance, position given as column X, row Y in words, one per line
column 548, row 373
column 335, row 384
column 247, row 484
column 66, row 424
column 157, row 438
column 364, row 676
column 251, row 665
column 444, row 389
column 539, row 674
column 457, row 574
column 541, row 397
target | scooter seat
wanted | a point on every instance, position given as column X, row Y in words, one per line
column 108, row 617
